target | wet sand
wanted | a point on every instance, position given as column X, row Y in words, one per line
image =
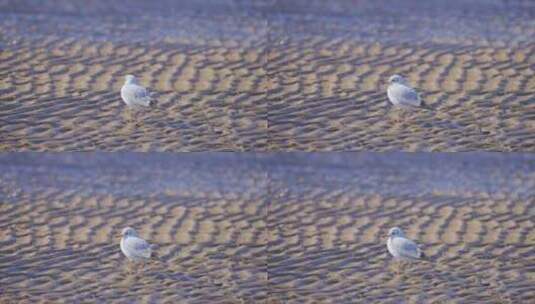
column 472, row 213
column 264, row 75
column 473, row 63
column 274, row 228
column 61, row 218
column 62, row 69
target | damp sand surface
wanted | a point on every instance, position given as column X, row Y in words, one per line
column 473, row 215
column 267, row 75
column 62, row 67
column 472, row 62
column 271, row 228
column 61, row 219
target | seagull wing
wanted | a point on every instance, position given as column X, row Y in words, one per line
column 137, row 247
column 406, row 248
column 403, row 95
column 135, row 95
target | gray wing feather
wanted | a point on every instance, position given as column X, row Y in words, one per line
column 136, row 95
column 141, row 92
column 407, row 248
column 138, row 247
column 405, row 95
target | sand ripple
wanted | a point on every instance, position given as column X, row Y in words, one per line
column 267, row 75
column 330, row 215
column 59, row 237
column 280, row 228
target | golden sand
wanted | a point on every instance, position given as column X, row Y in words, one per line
column 60, row 236
column 267, row 228
column 279, row 92
column 330, row 214
column 329, row 95
column 63, row 95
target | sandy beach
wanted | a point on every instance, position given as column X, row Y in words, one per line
column 267, row 75
column 472, row 62
column 472, row 214
column 62, row 68
column 61, row 217
column 272, row 228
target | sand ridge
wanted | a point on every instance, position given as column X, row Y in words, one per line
column 266, row 228
column 60, row 237
column 267, row 75
column 329, row 94
column 330, row 215
column 65, row 96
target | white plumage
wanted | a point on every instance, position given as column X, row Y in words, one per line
column 134, row 247
column 402, row 248
column 133, row 94
column 401, row 94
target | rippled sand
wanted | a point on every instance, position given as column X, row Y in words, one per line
column 61, row 79
column 61, row 217
column 279, row 228
column 473, row 214
column 264, row 75
column 471, row 61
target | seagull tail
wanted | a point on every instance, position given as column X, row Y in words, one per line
column 154, row 253
column 425, row 106
column 151, row 101
column 147, row 102
column 424, row 257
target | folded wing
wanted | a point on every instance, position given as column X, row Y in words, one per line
column 406, row 248
column 138, row 247
column 135, row 95
column 403, row 95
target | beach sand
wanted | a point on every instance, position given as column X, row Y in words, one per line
column 62, row 71
column 61, row 217
column 267, row 75
column 277, row 228
column 472, row 214
column 472, row 62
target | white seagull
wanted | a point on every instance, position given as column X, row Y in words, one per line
column 402, row 248
column 133, row 94
column 401, row 94
column 134, row 247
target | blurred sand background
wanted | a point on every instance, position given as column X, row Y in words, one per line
column 63, row 64
column 473, row 214
column 267, row 75
column 273, row 228
column 472, row 61
column 61, row 217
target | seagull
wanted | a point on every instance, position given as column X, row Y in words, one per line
column 133, row 94
column 401, row 94
column 133, row 247
column 402, row 248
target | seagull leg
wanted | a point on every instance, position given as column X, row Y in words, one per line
column 129, row 267
column 129, row 117
column 395, row 266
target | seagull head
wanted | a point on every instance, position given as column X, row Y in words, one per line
column 128, row 231
column 395, row 232
column 396, row 79
column 130, row 79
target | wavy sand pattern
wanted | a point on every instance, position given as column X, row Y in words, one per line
column 60, row 82
column 61, row 218
column 329, row 65
column 473, row 214
column 288, row 228
column 267, row 75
